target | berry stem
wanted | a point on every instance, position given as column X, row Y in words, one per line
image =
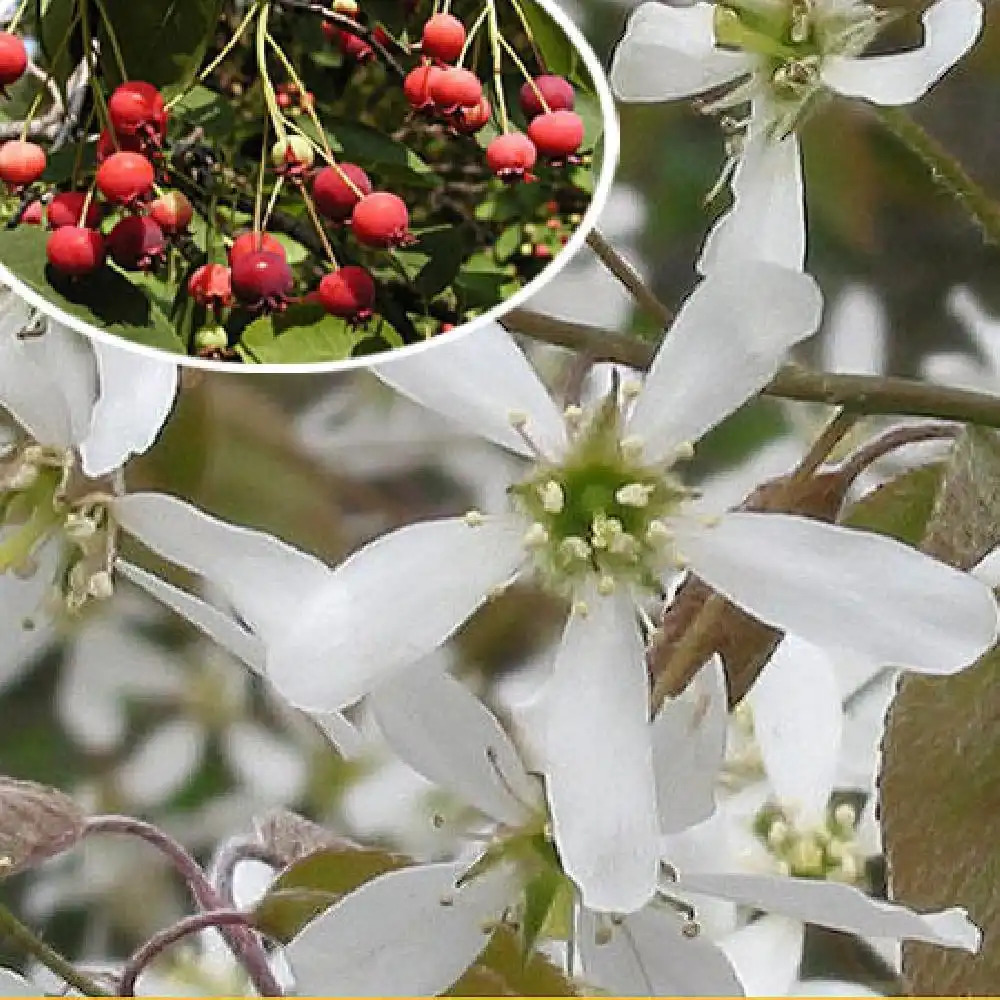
column 497, row 56
column 83, row 7
column 529, row 79
column 318, row 225
column 113, row 38
column 271, row 202
column 270, row 97
column 519, row 11
column 16, row 19
column 258, row 203
column 471, row 36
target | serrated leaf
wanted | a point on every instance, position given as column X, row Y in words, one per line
column 304, row 334
column 106, row 300
column 309, row 886
column 941, row 751
column 36, row 823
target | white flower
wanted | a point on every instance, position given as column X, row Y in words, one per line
column 332, row 638
column 789, row 54
column 80, row 410
column 961, row 370
column 14, row 985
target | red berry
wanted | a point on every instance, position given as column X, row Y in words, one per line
column 557, row 134
column 21, row 163
column 252, row 242
column 262, row 280
column 13, row 58
column 511, row 156
column 33, row 214
column 136, row 243
column 443, row 37
column 108, row 145
column 75, row 250
column 381, row 220
column 348, row 293
column 138, row 108
column 474, row 118
column 284, row 101
column 542, row 252
column 417, row 86
column 353, row 46
column 125, row 178
column 172, row 212
column 456, row 88
column 65, row 210
column 334, row 197
column 211, row 285
column 557, row 91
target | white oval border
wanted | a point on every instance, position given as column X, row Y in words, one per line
column 612, row 143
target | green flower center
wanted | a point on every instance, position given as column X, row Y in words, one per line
column 822, row 851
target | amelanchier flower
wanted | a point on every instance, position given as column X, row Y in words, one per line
column 80, row 410
column 14, row 985
column 601, row 517
column 781, row 56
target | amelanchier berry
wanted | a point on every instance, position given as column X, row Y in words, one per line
column 137, row 243
column 336, row 190
column 66, row 208
column 34, row 214
column 511, row 156
column 138, row 109
column 250, row 242
column 417, row 86
column 293, row 156
column 75, row 250
column 21, row 163
column 211, row 286
column 262, row 280
column 443, row 37
column 172, row 212
column 456, row 88
column 474, row 118
column 126, row 178
column 381, row 220
column 13, row 59
column 555, row 91
column 348, row 293
column 557, row 134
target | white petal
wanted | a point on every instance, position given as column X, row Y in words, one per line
column 14, row 985
column 838, row 587
column 389, row 605
column 797, row 721
column 951, row 27
column 767, row 218
column 479, row 381
column 136, row 395
column 855, row 338
column 266, row 580
column 689, row 744
column 988, row 569
column 438, row 727
column 343, row 735
column 598, row 757
column 162, row 764
column 766, row 955
column 830, row 988
column 395, row 937
column 270, row 767
column 982, row 327
column 48, row 383
column 648, row 954
column 669, row 53
column 24, row 615
column 842, row 907
column 726, row 344
column 221, row 628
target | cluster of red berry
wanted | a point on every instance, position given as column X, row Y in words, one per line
column 437, row 87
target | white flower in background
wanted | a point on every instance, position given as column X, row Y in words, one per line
column 600, row 517
column 781, row 57
column 959, row 369
column 80, row 410
column 12, row 984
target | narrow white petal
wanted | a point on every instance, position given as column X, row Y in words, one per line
column 437, row 726
column 24, row 614
column 988, row 569
column 838, row 587
column 598, row 757
column 797, row 720
column 830, row 988
column 951, row 27
column 669, row 53
column 266, row 580
column 343, row 735
column 726, row 343
column 856, row 336
column 48, row 382
column 689, row 744
column 842, row 907
column 479, row 381
column 647, row 954
column 270, row 767
column 13, row 985
column 162, row 764
column 767, row 218
column 766, row 955
column 392, row 603
column 136, row 395
column 219, row 627
column 407, row 933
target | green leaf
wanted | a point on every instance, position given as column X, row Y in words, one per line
column 539, row 897
column 388, row 159
column 310, row 886
column 161, row 41
column 106, row 300
column 304, row 334
column 502, row 963
column 555, row 47
column 941, row 751
column 203, row 108
column 432, row 262
column 900, row 508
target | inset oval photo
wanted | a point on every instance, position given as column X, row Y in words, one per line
column 294, row 183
